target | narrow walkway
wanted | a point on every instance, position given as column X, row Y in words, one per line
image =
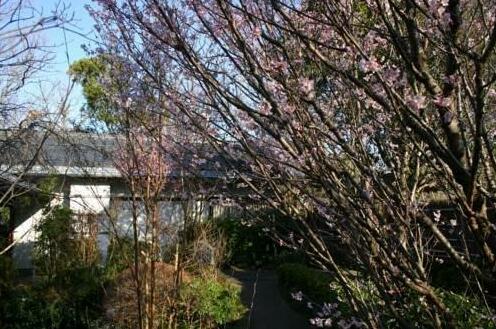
column 268, row 309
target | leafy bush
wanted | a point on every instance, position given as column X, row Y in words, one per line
column 448, row 276
column 320, row 288
column 468, row 312
column 314, row 293
column 212, row 302
column 55, row 248
column 71, row 303
column 22, row 308
column 247, row 243
column 314, row 283
column 67, row 293
column 120, row 254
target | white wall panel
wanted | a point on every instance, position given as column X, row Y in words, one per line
column 89, row 198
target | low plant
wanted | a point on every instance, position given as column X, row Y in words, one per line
column 466, row 312
column 211, row 302
column 447, row 276
column 318, row 295
column 299, row 277
column 71, row 303
column 68, row 289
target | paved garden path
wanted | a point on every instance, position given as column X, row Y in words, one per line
column 267, row 308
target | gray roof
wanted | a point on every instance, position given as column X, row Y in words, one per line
column 89, row 154
column 56, row 148
column 7, row 180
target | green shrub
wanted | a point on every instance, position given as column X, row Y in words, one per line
column 290, row 256
column 320, row 287
column 68, row 291
column 72, row 301
column 23, row 308
column 313, row 283
column 55, row 250
column 120, row 255
column 212, row 301
column 468, row 312
column 247, row 243
column 317, row 289
column 448, row 276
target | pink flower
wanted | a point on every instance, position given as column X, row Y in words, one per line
column 392, row 75
column 437, row 215
column 307, row 87
column 438, row 7
column 289, row 109
column 297, row 296
column 370, row 65
column 416, row 102
column 264, row 108
column 442, row 101
column 257, row 32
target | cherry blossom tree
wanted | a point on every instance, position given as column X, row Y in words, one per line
column 143, row 166
column 354, row 117
column 149, row 148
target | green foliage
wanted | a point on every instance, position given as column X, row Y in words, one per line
column 47, row 187
column 447, row 276
column 290, row 256
column 247, row 243
column 73, row 301
column 119, row 256
column 68, row 292
column 88, row 72
column 55, row 250
column 320, row 287
column 23, row 307
column 4, row 227
column 468, row 312
column 216, row 301
column 6, row 269
column 4, row 215
column 313, row 283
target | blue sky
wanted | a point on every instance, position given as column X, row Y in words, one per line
column 56, row 73
column 83, row 24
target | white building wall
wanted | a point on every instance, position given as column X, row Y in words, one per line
column 100, row 200
column 170, row 214
column 25, row 235
column 89, row 198
column 93, row 199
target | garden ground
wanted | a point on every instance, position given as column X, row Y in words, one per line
column 267, row 308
